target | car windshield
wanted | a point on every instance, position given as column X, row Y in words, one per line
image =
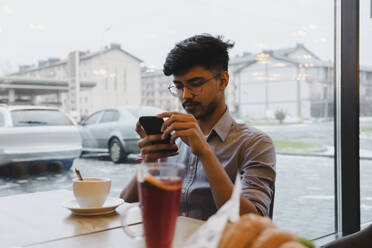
column 144, row 111
column 39, row 117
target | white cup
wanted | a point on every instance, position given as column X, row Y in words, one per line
column 92, row 191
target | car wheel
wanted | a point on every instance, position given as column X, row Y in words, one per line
column 117, row 152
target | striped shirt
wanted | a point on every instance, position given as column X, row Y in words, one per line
column 238, row 148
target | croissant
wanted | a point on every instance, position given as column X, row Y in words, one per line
column 253, row 231
column 273, row 237
column 292, row 244
column 244, row 231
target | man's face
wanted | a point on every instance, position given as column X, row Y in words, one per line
column 199, row 101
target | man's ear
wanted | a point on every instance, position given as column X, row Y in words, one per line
column 224, row 80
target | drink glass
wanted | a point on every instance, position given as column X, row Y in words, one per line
column 159, row 189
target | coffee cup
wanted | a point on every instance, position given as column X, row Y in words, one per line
column 91, row 192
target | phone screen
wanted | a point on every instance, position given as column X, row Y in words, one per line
column 152, row 125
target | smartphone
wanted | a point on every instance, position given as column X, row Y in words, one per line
column 152, row 125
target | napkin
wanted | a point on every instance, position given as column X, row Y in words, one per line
column 209, row 234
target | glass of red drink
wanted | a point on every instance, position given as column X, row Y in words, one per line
column 159, row 189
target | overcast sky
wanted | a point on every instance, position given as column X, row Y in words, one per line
column 37, row 29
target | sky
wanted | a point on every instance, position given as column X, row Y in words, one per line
column 32, row 30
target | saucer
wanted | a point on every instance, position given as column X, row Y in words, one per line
column 108, row 207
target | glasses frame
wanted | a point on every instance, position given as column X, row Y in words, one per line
column 172, row 86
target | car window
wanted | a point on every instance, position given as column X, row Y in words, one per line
column 126, row 115
column 39, row 117
column 2, row 122
column 92, row 119
column 110, row 116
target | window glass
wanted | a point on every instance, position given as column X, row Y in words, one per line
column 39, row 117
column 2, row 121
column 281, row 82
column 109, row 116
column 365, row 129
column 93, row 119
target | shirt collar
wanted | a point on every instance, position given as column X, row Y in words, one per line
column 223, row 126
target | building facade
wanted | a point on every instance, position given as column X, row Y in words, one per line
column 155, row 91
column 293, row 81
column 116, row 73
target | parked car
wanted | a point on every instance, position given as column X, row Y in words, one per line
column 37, row 133
column 112, row 131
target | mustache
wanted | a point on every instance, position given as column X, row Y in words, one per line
column 190, row 103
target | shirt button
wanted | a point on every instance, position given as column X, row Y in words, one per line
column 191, row 167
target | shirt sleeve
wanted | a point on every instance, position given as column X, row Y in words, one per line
column 258, row 172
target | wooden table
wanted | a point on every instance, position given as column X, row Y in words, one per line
column 39, row 220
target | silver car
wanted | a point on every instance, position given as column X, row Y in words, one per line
column 112, row 131
column 37, row 133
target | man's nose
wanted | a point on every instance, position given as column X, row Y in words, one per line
column 187, row 93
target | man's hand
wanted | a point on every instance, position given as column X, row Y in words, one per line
column 186, row 127
column 150, row 151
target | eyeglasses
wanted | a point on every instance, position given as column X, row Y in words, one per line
column 194, row 87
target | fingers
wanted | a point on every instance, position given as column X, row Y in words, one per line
column 154, row 152
column 158, row 148
column 178, row 117
column 148, row 140
column 141, row 132
column 178, row 126
column 167, row 114
column 155, row 156
column 181, row 133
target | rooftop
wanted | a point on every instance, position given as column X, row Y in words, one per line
column 84, row 55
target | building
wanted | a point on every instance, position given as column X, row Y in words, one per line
column 115, row 71
column 293, row 81
column 155, row 91
column 26, row 90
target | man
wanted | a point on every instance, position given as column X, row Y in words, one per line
column 210, row 143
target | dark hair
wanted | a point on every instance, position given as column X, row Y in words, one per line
column 199, row 50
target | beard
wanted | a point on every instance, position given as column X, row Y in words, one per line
column 204, row 112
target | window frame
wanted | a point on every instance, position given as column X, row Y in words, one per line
column 347, row 116
column 346, row 124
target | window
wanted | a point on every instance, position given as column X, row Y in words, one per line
column 110, row 116
column 125, row 79
column 281, row 82
column 365, row 128
column 368, row 92
column 116, row 79
column 39, row 117
column 2, row 121
column 93, row 119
